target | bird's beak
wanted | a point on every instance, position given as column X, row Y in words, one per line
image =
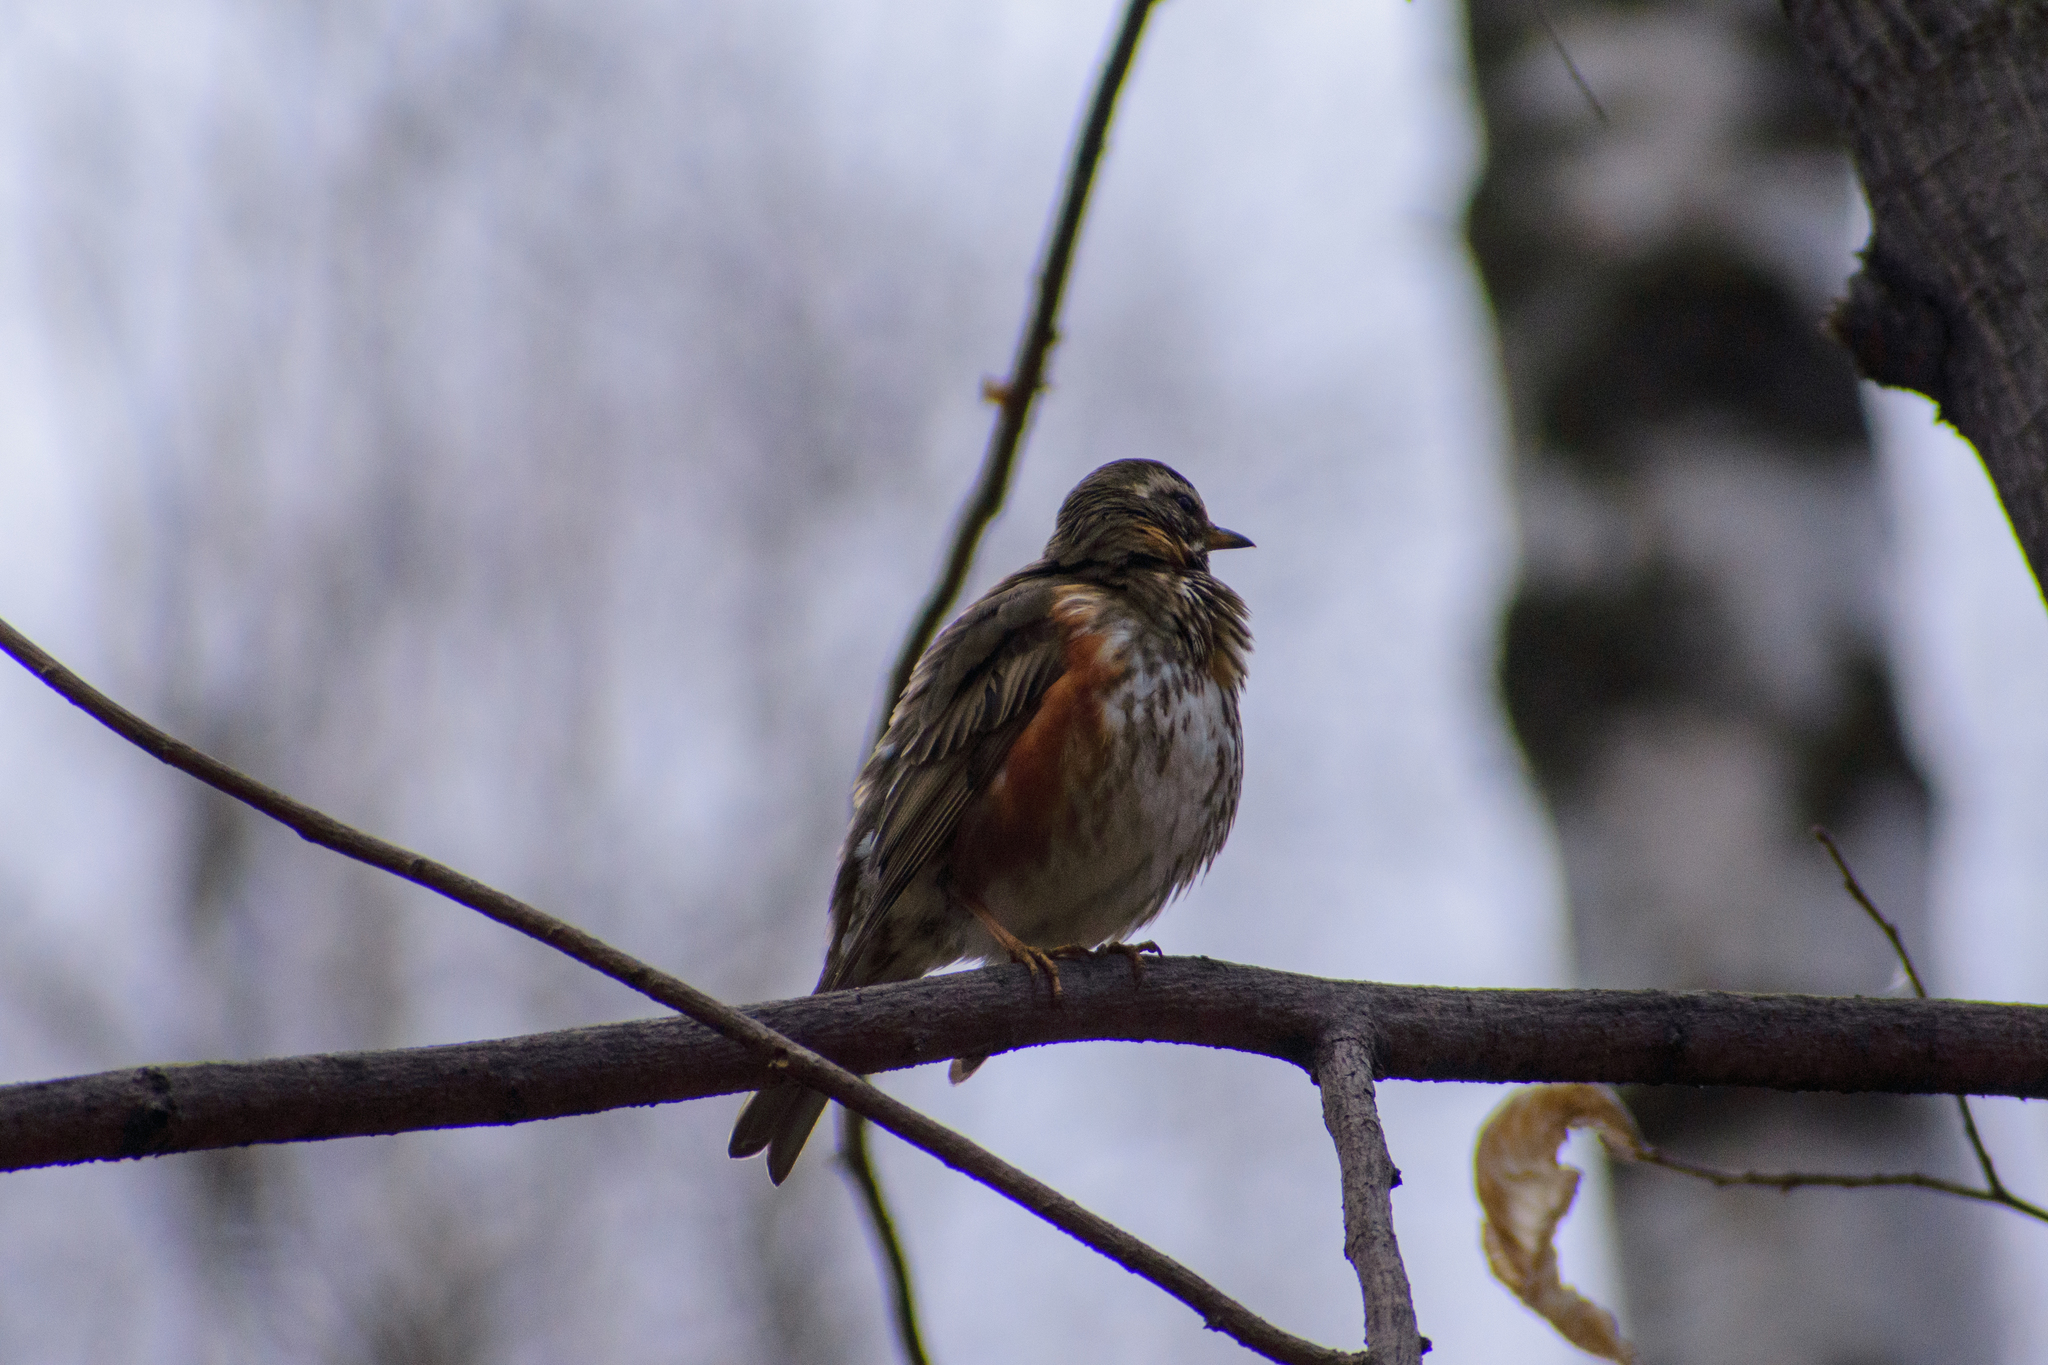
column 1220, row 539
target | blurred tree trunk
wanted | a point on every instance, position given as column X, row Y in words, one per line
column 1695, row 662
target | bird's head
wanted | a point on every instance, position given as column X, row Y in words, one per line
column 1135, row 513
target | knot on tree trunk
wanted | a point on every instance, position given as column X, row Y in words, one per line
column 1894, row 327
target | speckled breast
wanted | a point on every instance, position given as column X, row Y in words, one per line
column 1119, row 793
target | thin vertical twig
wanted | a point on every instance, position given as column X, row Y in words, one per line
column 860, row 1169
column 1014, row 398
column 1351, row 1113
column 1015, row 395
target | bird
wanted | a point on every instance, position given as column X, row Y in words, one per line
column 1066, row 756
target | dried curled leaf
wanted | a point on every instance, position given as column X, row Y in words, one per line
column 1525, row 1193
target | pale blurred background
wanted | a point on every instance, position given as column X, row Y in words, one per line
column 525, row 429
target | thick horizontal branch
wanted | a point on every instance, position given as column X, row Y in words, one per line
column 1783, row 1042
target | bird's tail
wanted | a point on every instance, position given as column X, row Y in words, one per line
column 779, row 1117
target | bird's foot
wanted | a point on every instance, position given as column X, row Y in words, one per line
column 1130, row 952
column 1035, row 960
column 1134, row 953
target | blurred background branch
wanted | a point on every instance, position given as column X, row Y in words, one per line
column 1014, row 398
column 1016, row 395
column 860, row 1169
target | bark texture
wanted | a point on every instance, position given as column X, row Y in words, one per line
column 1350, row 1112
column 1945, row 104
column 1650, row 1038
column 1695, row 662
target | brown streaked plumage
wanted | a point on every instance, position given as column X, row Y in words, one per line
column 1066, row 757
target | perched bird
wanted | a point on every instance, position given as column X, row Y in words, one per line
column 1066, row 756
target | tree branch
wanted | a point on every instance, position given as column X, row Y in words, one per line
column 1994, row 1192
column 1784, row 1181
column 1016, row 394
column 1344, row 1071
column 860, row 1170
column 771, row 1053
column 1996, row 1189
column 1784, row 1042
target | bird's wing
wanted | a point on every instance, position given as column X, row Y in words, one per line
column 971, row 694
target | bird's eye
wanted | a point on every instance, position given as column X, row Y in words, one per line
column 1186, row 503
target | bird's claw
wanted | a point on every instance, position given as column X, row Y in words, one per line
column 1036, row 960
column 1130, row 952
column 1134, row 953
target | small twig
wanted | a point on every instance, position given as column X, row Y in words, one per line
column 1570, row 66
column 1016, row 394
column 1344, row 1072
column 1014, row 397
column 1994, row 1191
column 1862, row 898
column 860, row 1169
column 1794, row 1180
column 1990, row 1171
column 1993, row 1184
column 1219, row 1311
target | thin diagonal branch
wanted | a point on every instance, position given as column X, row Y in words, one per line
column 1014, row 397
column 1994, row 1191
column 782, row 1055
column 1991, row 1180
column 1016, row 394
column 1877, row 917
column 1994, row 1187
column 1571, row 67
